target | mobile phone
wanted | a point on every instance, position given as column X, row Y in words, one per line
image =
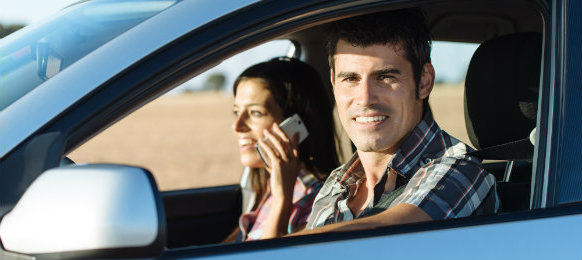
column 290, row 126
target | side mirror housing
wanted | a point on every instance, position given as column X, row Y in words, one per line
column 91, row 211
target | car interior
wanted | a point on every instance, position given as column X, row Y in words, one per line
column 500, row 98
column 501, row 111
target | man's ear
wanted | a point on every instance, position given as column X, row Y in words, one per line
column 426, row 81
column 331, row 77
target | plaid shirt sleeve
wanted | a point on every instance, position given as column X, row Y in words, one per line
column 448, row 187
column 302, row 209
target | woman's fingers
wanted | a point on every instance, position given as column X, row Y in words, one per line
column 284, row 161
column 279, row 148
column 267, row 151
column 279, row 132
column 294, row 144
column 290, row 144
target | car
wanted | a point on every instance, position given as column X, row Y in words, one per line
column 69, row 78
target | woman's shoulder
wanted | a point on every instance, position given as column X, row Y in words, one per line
column 307, row 179
column 307, row 183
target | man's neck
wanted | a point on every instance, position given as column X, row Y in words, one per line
column 374, row 164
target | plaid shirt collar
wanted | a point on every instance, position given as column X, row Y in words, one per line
column 413, row 152
column 408, row 158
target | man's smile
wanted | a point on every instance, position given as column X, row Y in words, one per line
column 370, row 119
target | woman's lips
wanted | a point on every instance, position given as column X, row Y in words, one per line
column 246, row 144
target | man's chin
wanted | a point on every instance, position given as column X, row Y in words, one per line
column 372, row 146
column 369, row 148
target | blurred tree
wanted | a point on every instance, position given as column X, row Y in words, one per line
column 215, row 82
column 439, row 81
column 8, row 29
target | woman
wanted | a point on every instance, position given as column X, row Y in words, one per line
column 266, row 94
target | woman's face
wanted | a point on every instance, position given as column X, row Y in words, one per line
column 254, row 110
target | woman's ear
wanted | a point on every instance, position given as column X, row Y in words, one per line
column 426, row 81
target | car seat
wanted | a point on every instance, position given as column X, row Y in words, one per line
column 501, row 93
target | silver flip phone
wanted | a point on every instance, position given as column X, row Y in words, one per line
column 290, row 127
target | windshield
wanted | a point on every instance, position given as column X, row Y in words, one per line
column 38, row 52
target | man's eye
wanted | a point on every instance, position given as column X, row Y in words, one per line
column 350, row 79
column 385, row 77
column 235, row 112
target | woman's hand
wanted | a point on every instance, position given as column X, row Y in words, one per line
column 284, row 163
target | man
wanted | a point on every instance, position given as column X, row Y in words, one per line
column 406, row 169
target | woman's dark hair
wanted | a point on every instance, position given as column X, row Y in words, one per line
column 297, row 88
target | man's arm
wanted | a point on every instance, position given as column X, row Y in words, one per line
column 399, row 214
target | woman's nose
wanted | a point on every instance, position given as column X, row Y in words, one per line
column 239, row 124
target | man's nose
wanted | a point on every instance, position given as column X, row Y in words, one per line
column 239, row 125
column 366, row 94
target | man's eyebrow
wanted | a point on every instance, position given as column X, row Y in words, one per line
column 345, row 74
column 386, row 71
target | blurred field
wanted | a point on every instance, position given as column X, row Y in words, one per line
column 186, row 140
column 446, row 102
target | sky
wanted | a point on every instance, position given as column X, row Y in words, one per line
column 449, row 59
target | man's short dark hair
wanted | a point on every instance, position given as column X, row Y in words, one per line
column 406, row 28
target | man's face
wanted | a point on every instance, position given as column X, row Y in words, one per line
column 374, row 89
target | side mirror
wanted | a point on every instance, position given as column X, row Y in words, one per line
column 88, row 211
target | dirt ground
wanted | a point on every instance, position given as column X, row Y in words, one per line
column 186, row 140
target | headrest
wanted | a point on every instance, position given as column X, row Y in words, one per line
column 501, row 89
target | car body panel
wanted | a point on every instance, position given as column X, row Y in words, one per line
column 552, row 236
column 556, row 176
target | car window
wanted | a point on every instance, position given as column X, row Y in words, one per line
column 446, row 98
column 184, row 137
column 50, row 47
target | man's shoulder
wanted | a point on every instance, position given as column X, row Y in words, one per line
column 335, row 176
column 455, row 149
column 448, row 181
column 453, row 157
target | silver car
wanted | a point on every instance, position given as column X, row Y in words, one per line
column 67, row 79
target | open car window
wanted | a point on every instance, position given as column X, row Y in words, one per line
column 171, row 135
column 185, row 137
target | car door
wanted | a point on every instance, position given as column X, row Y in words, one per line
column 553, row 221
column 186, row 140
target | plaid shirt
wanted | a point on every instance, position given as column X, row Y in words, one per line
column 306, row 187
column 438, row 176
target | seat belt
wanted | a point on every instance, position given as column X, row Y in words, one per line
column 520, row 150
